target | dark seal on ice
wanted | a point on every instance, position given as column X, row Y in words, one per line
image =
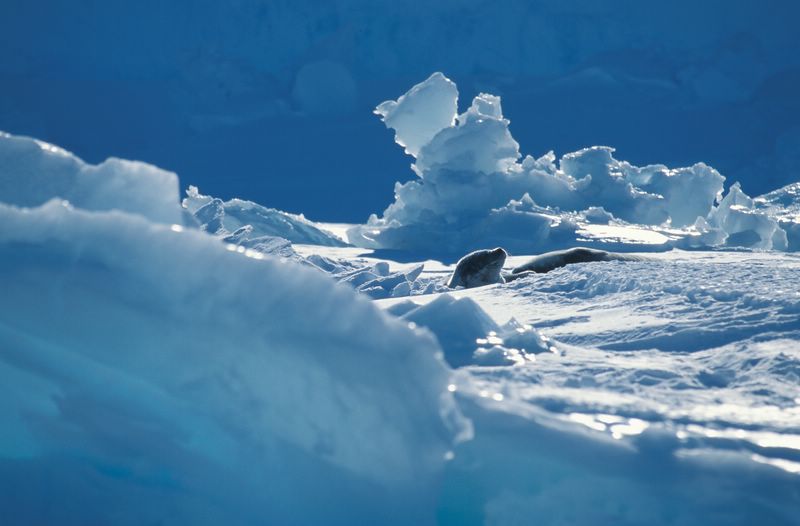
column 483, row 267
column 479, row 268
column 560, row 258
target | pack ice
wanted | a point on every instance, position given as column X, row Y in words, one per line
column 474, row 190
column 162, row 364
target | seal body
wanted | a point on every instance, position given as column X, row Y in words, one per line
column 560, row 258
column 479, row 268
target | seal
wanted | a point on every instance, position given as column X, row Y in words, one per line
column 484, row 267
column 479, row 268
column 560, row 258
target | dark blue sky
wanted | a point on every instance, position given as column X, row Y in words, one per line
column 272, row 100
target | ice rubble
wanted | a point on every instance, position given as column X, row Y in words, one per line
column 473, row 190
column 150, row 373
column 228, row 217
column 374, row 280
column 783, row 205
column 742, row 225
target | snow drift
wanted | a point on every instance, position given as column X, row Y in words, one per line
column 469, row 335
column 150, row 373
column 474, row 190
column 682, row 372
column 32, row 172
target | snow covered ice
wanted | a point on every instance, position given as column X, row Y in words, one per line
column 218, row 217
column 150, row 373
column 222, row 362
column 34, row 172
column 691, row 359
column 474, row 189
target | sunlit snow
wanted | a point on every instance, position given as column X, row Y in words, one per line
column 222, row 362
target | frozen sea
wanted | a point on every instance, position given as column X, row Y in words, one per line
column 222, row 362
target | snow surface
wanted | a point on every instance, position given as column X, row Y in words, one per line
column 473, row 188
column 156, row 372
column 683, row 369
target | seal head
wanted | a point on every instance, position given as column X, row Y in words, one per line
column 479, row 268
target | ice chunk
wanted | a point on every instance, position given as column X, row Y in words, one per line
column 218, row 217
column 359, row 277
column 703, row 235
column 239, row 236
column 420, row 114
column 194, row 200
column 378, row 283
column 597, row 215
column 783, row 205
column 688, row 193
column 211, row 216
column 276, row 246
column 743, row 225
column 273, row 245
column 479, row 143
column 326, row 264
column 401, row 290
column 33, row 172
